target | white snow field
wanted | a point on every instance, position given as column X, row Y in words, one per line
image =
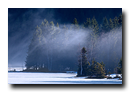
column 54, row 78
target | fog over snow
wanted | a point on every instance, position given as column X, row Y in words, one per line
column 22, row 27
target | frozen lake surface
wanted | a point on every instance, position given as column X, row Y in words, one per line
column 54, row 78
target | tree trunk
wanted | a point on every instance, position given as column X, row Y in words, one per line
column 81, row 65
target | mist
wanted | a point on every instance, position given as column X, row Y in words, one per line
column 21, row 25
column 58, row 49
column 61, row 48
column 109, row 48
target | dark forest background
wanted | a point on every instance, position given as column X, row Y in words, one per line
column 64, row 15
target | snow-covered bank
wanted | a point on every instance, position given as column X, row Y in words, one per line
column 54, row 78
column 111, row 76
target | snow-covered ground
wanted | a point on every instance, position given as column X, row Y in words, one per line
column 54, row 78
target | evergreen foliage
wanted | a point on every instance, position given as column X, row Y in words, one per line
column 85, row 69
column 111, row 25
column 120, row 19
column 57, row 25
column 83, row 63
column 42, row 56
column 87, row 24
column 119, row 68
column 105, row 25
column 75, row 24
column 116, row 22
column 75, row 21
column 97, row 69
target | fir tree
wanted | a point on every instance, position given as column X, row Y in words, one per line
column 93, row 68
column 52, row 28
column 33, row 60
column 87, row 24
column 119, row 68
column 83, row 66
column 105, row 25
column 116, row 22
column 102, row 64
column 120, row 19
column 75, row 22
column 120, row 64
column 100, row 70
column 111, row 25
column 97, row 69
column 57, row 25
column 46, row 23
column 94, row 36
column 94, row 25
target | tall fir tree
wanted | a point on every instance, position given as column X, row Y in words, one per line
column 87, row 24
column 100, row 70
column 75, row 24
column 116, row 22
column 105, row 25
column 119, row 68
column 33, row 60
column 111, row 25
column 94, row 35
column 83, row 65
column 120, row 19
column 94, row 25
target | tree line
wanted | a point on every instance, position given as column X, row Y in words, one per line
column 95, row 69
column 47, row 52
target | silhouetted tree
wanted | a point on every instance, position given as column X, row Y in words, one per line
column 83, row 65
column 120, row 19
column 94, row 35
column 116, row 22
column 105, row 25
column 87, row 24
column 111, row 25
column 119, row 68
column 75, row 22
